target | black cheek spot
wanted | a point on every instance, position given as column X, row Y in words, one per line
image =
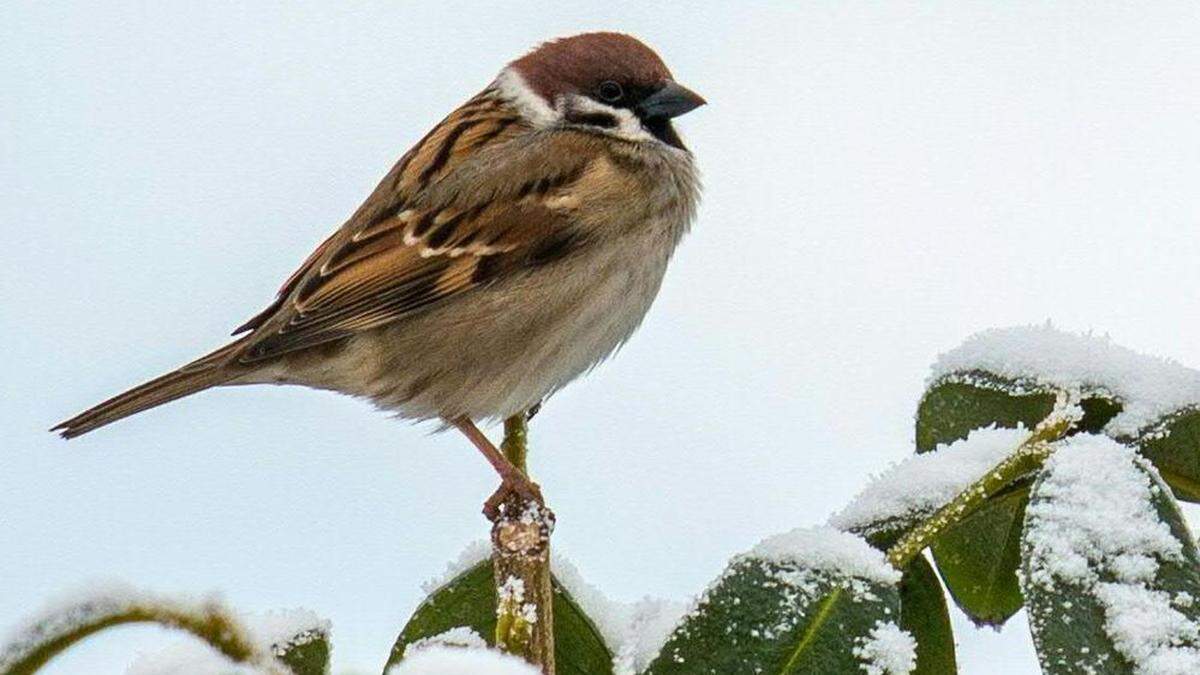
column 593, row 119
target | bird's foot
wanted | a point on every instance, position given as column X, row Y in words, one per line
column 515, row 494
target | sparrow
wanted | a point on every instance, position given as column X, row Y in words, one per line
column 513, row 248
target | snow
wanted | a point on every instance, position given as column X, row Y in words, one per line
column 443, row 660
column 475, row 553
column 1149, row 387
column 829, row 550
column 801, row 564
column 1148, row 631
column 916, row 487
column 1095, row 515
column 270, row 631
column 887, row 650
column 462, row 636
column 1094, row 526
column 283, row 627
column 511, row 594
column 191, row 657
column 634, row 631
column 75, row 610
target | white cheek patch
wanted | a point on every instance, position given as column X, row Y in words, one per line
column 533, row 107
column 512, row 86
column 628, row 127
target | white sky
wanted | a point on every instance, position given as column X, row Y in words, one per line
column 881, row 182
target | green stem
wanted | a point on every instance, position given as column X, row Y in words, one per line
column 1026, row 459
column 516, row 442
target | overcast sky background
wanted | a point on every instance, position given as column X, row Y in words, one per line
column 881, row 181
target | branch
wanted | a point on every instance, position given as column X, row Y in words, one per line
column 521, row 565
column 1026, row 459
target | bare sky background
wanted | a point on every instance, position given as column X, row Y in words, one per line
column 881, row 181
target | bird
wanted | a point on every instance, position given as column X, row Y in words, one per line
column 515, row 246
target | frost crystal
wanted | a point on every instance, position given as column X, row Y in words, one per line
column 887, row 650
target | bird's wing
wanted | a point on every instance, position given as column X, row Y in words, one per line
column 440, row 224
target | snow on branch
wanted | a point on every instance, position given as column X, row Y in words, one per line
column 918, row 486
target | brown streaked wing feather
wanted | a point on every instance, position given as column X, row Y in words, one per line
column 398, row 260
column 484, row 118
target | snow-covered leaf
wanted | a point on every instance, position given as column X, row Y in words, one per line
column 80, row 615
column 1110, row 572
column 1173, row 446
column 957, row 403
column 1150, row 402
column 808, row 601
column 305, row 652
column 469, row 600
column 298, row 638
column 923, row 614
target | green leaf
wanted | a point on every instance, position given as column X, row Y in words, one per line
column 978, row 559
column 924, row 615
column 306, row 653
column 470, row 600
column 1071, row 624
column 770, row 617
column 959, row 403
column 1173, row 446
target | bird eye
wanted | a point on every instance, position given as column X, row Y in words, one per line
column 610, row 91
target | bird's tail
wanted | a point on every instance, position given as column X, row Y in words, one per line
column 208, row 371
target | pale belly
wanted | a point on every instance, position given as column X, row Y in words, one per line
column 496, row 351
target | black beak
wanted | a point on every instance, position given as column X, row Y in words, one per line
column 672, row 100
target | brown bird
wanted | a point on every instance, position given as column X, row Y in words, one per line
column 514, row 247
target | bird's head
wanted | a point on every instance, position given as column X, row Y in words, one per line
column 605, row 82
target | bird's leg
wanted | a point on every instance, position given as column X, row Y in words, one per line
column 513, row 480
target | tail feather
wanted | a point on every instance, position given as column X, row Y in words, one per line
column 209, row 371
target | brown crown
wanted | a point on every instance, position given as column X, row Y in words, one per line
column 581, row 62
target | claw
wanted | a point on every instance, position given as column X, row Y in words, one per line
column 514, row 486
